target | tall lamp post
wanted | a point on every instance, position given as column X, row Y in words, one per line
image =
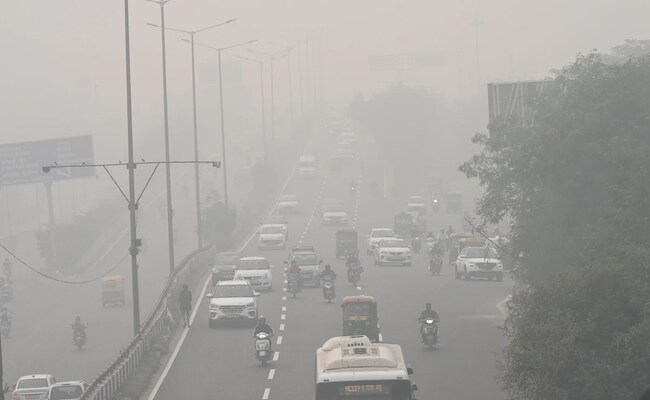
column 271, row 58
column 170, row 227
column 287, row 54
column 261, row 65
column 197, row 186
column 223, row 131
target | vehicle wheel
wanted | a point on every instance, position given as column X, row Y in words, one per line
column 456, row 272
column 212, row 323
column 466, row 275
column 264, row 363
column 500, row 277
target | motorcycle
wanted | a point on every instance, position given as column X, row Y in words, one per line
column 328, row 288
column 435, row 205
column 429, row 242
column 79, row 338
column 292, row 284
column 429, row 333
column 435, row 264
column 354, row 274
column 263, row 351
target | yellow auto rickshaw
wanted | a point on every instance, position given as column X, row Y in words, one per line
column 454, row 240
column 360, row 317
column 471, row 242
column 113, row 290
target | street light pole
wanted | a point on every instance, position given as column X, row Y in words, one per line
column 261, row 63
column 223, row 130
column 300, row 77
column 170, row 222
column 133, row 250
column 199, row 228
column 293, row 127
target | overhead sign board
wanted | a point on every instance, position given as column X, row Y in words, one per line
column 22, row 163
column 515, row 101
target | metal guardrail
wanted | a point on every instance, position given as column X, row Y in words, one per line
column 108, row 383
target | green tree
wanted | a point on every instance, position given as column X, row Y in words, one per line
column 576, row 187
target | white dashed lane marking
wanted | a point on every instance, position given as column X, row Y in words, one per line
column 281, row 327
column 271, row 373
column 267, row 393
column 283, row 317
column 276, row 356
column 284, row 298
column 279, row 340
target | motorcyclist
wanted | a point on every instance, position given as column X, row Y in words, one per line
column 428, row 313
column 352, row 263
column 79, row 327
column 353, row 186
column 294, row 270
column 416, row 243
column 430, row 235
column 5, row 318
column 328, row 272
column 262, row 326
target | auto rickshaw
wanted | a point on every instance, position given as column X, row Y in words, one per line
column 454, row 240
column 113, row 290
column 346, row 243
column 360, row 317
column 6, row 290
column 471, row 242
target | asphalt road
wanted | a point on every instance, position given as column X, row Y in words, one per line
column 220, row 363
column 41, row 340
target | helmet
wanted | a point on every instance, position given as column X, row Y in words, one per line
column 328, row 267
column 77, row 319
column 261, row 319
column 428, row 305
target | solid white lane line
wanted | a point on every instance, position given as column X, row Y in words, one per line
column 281, row 327
column 271, row 373
column 283, row 317
column 284, row 308
column 279, row 340
column 276, row 356
column 267, row 393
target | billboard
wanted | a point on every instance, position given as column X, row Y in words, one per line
column 22, row 163
column 514, row 101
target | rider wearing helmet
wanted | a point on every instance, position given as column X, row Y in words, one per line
column 328, row 272
column 295, row 270
column 262, row 326
column 79, row 327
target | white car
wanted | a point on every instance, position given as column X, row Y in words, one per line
column 376, row 235
column 272, row 237
column 288, row 203
column 392, row 252
column 478, row 262
column 416, row 203
column 334, row 215
column 257, row 271
column 71, row 390
column 33, row 387
column 232, row 300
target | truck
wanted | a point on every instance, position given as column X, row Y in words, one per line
column 407, row 223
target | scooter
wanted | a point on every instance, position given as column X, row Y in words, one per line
column 429, row 333
column 79, row 338
column 328, row 288
column 292, row 284
column 435, row 264
column 263, row 351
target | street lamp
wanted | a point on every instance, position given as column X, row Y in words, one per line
column 223, row 133
column 196, row 136
column 260, row 63
column 170, row 228
column 287, row 54
column 271, row 57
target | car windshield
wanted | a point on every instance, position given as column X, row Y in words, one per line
column 272, row 229
column 65, row 392
column 33, row 383
column 289, row 197
column 480, row 252
column 416, row 199
column 226, row 259
column 383, row 233
column 253, row 264
column 222, row 291
column 305, row 259
column 393, row 243
column 354, row 308
column 334, row 209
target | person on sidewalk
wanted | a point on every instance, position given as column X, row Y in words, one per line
column 185, row 304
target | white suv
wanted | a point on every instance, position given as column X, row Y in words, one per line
column 482, row 262
column 232, row 300
column 257, row 271
column 272, row 237
column 71, row 390
column 33, row 387
column 288, row 203
column 376, row 235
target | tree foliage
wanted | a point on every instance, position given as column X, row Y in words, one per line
column 576, row 188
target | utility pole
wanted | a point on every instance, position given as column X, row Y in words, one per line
column 476, row 23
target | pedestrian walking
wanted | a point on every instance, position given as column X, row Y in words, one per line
column 185, row 304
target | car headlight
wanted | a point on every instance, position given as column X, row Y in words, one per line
column 250, row 305
column 214, row 307
column 499, row 266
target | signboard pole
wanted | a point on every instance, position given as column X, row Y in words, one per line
column 50, row 205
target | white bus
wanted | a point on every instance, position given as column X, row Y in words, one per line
column 307, row 165
column 354, row 368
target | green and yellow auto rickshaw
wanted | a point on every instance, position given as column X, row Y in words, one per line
column 347, row 243
column 360, row 317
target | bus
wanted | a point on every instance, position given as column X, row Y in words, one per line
column 354, row 368
column 307, row 165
